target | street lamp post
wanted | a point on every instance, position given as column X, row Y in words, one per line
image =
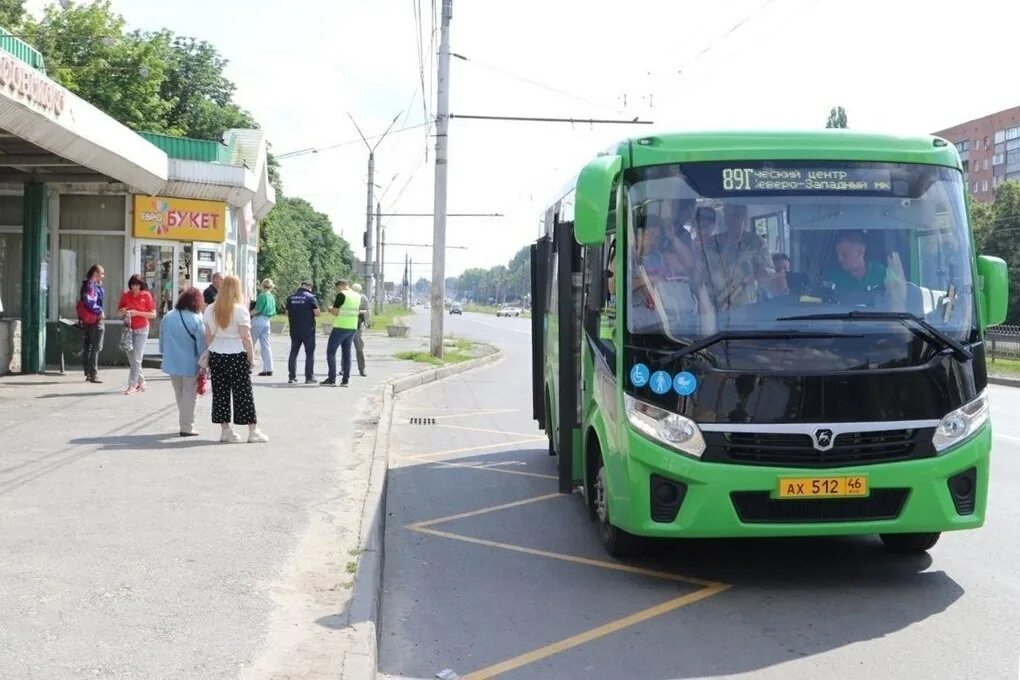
column 369, row 272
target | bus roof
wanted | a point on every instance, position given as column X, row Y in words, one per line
column 828, row 144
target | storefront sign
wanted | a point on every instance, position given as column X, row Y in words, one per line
column 24, row 83
column 180, row 219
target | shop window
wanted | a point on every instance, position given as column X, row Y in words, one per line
column 77, row 253
column 92, row 213
column 12, row 211
column 10, row 274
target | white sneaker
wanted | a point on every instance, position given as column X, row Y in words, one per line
column 230, row 437
column 257, row 437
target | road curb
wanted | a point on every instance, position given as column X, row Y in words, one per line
column 1008, row 382
column 361, row 658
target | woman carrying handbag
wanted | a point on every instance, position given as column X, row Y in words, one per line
column 136, row 307
column 182, row 342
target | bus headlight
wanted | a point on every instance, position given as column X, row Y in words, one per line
column 961, row 423
column 673, row 430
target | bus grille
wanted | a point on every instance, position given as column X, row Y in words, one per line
column 755, row 507
column 797, row 450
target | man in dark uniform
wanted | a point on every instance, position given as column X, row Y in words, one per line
column 302, row 308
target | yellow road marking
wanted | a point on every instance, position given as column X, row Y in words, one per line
column 483, row 429
column 595, row 633
column 425, row 527
column 471, row 449
column 492, row 508
column 490, row 467
column 614, row 566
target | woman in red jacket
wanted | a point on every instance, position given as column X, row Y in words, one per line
column 136, row 307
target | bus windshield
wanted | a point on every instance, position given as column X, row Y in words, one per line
column 736, row 246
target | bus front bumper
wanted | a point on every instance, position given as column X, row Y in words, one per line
column 728, row 500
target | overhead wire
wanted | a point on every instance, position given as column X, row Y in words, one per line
column 313, row 150
column 535, row 83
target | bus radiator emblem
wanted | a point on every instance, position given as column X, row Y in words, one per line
column 823, row 439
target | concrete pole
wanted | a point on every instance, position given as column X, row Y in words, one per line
column 369, row 264
column 439, row 210
column 377, row 301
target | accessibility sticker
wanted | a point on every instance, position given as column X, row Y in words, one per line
column 639, row 375
column 685, row 383
column 661, row 382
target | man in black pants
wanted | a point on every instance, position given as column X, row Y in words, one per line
column 302, row 308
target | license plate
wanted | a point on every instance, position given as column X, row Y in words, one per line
column 823, row 487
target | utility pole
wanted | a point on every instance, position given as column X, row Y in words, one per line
column 369, row 274
column 377, row 303
column 439, row 209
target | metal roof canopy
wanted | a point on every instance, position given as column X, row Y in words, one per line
column 75, row 142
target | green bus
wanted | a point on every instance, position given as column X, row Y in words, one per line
column 751, row 334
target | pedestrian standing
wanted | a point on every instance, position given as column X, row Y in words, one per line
column 265, row 310
column 345, row 326
column 302, row 310
column 231, row 358
column 92, row 318
column 136, row 307
column 363, row 322
column 209, row 294
column 181, row 343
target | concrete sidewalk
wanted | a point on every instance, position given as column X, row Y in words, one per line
column 130, row 552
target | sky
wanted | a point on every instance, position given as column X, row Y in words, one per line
column 301, row 66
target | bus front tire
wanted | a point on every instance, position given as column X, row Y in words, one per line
column 617, row 542
column 907, row 544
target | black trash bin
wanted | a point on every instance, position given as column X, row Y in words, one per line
column 69, row 340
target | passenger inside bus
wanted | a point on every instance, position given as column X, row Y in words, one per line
column 738, row 262
column 666, row 290
column 787, row 282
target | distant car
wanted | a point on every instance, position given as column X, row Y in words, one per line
column 455, row 309
column 508, row 311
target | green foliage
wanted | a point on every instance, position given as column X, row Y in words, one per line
column 837, row 118
column 997, row 232
column 12, row 13
column 155, row 82
column 87, row 51
column 499, row 284
column 297, row 242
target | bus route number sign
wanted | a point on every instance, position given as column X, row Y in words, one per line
column 737, row 180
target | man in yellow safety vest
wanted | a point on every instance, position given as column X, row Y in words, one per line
column 345, row 307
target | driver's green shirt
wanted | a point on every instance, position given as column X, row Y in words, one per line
column 873, row 279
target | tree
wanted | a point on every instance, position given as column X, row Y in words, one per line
column 837, row 118
column 87, row 51
column 154, row 82
column 12, row 13
column 298, row 242
column 996, row 226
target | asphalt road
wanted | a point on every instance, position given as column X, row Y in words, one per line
column 525, row 590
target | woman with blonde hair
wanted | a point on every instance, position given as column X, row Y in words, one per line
column 231, row 358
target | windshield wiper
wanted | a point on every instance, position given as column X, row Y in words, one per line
column 708, row 340
column 915, row 323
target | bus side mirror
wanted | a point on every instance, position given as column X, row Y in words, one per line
column 591, row 204
column 994, row 290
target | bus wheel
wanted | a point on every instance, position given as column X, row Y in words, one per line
column 617, row 542
column 909, row 543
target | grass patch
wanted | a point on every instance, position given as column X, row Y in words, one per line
column 1005, row 367
column 455, row 350
column 379, row 321
column 352, row 567
column 390, row 313
column 422, row 357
